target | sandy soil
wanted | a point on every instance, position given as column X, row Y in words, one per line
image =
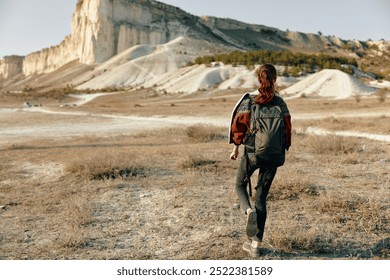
column 19, row 124
column 165, row 212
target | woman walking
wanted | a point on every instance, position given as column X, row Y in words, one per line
column 256, row 121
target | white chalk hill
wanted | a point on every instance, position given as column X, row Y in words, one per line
column 160, row 66
column 329, row 83
column 163, row 67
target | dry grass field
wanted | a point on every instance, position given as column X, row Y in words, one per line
column 167, row 192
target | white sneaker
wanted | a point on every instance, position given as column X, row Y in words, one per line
column 254, row 251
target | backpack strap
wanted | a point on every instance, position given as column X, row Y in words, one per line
column 255, row 113
column 248, row 176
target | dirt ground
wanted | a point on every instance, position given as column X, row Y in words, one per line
column 136, row 175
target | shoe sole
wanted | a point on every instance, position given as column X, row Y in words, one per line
column 251, row 225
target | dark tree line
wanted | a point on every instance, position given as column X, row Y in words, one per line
column 294, row 62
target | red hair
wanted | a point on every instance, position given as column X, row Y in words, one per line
column 267, row 78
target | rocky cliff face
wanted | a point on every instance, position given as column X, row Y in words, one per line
column 49, row 59
column 11, row 66
column 103, row 28
column 252, row 36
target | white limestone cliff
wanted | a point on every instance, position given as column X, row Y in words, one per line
column 49, row 59
column 104, row 28
column 11, row 66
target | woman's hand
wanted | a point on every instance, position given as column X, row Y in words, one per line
column 234, row 153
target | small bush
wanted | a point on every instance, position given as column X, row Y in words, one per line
column 204, row 133
column 192, row 162
column 331, row 144
column 381, row 94
column 357, row 97
column 291, row 189
column 297, row 237
column 109, row 166
column 73, row 238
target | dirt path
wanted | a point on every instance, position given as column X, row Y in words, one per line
column 76, row 123
column 80, row 123
column 317, row 116
column 371, row 136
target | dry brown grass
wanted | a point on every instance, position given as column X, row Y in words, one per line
column 382, row 94
column 195, row 162
column 106, row 165
column 329, row 201
column 334, row 145
column 377, row 125
column 309, row 216
column 79, row 215
column 205, row 133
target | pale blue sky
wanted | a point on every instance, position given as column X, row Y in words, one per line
column 30, row 25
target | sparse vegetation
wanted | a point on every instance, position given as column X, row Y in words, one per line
column 335, row 145
column 108, row 165
column 376, row 64
column 297, row 62
column 382, row 94
column 30, row 93
column 205, row 133
column 191, row 162
column 368, row 125
column 329, row 201
column 357, row 97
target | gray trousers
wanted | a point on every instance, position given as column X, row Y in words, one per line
column 266, row 176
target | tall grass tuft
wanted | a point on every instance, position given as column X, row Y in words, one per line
column 381, row 94
column 205, row 133
column 108, row 166
column 291, row 189
column 194, row 162
column 331, row 144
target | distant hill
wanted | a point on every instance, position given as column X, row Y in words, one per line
column 330, row 84
column 148, row 39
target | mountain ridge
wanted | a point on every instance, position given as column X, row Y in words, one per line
column 103, row 29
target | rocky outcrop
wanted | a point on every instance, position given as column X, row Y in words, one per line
column 247, row 36
column 49, row 59
column 11, row 66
